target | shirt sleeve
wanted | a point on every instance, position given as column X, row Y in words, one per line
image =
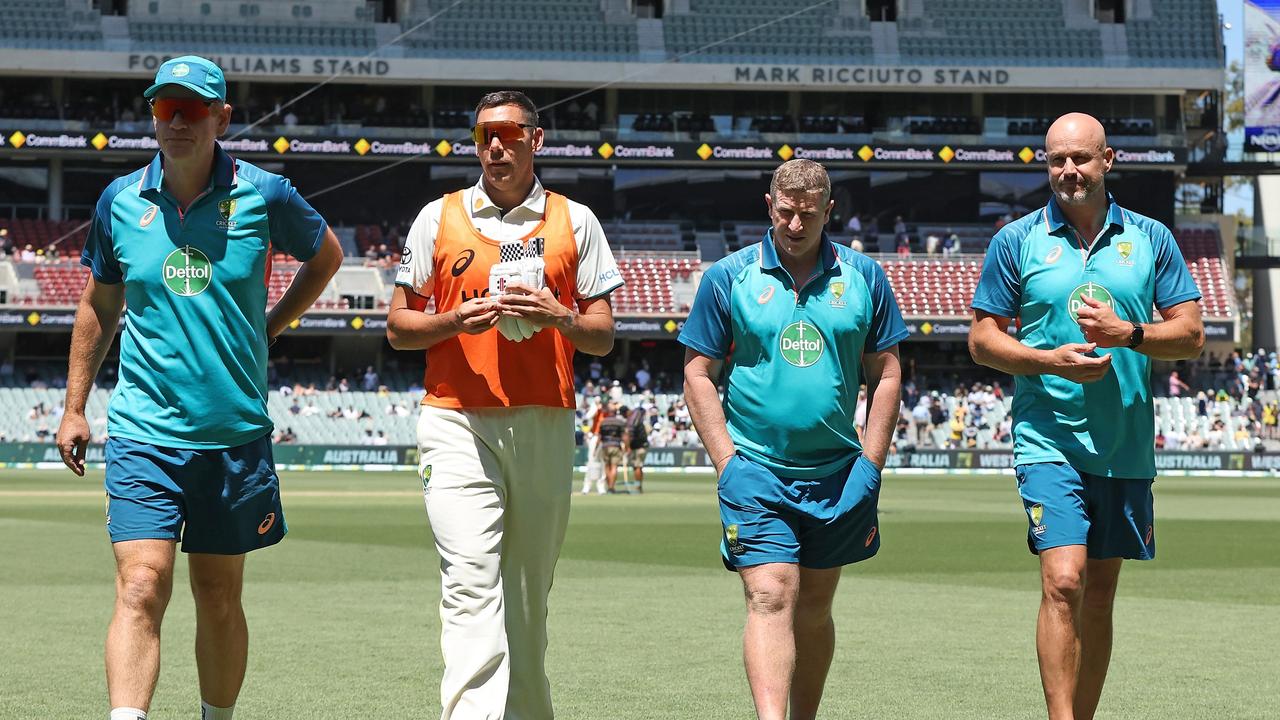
column 709, row 327
column 598, row 273
column 416, row 259
column 296, row 228
column 887, row 327
column 99, row 253
column 1174, row 283
column 999, row 290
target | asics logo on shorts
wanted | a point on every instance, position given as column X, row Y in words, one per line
column 267, row 522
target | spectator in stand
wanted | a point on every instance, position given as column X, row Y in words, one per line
column 902, row 244
column 920, row 417
column 951, row 244
column 1176, row 385
column 899, row 226
column 643, row 377
column 932, row 243
column 854, row 228
column 370, row 381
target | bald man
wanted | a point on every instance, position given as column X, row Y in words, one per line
column 1081, row 276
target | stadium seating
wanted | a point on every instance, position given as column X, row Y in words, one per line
column 1202, row 251
column 954, row 32
column 731, row 31
column 496, row 29
column 41, row 24
column 644, row 235
column 310, row 38
column 395, row 414
column 39, row 234
column 933, row 287
column 1182, row 33
column 649, row 279
column 651, row 256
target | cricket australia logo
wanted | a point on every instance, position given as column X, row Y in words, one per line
column 1075, row 301
column 226, row 209
column 1036, row 513
column 800, row 344
column 187, row 271
column 731, row 540
column 1125, row 249
column 837, row 293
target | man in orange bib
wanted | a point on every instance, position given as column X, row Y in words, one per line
column 521, row 278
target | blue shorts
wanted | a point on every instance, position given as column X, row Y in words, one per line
column 1112, row 517
column 821, row 523
column 223, row 501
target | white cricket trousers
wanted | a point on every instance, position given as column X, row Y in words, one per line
column 595, row 467
column 497, row 484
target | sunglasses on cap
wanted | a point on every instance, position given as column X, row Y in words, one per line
column 506, row 131
column 192, row 109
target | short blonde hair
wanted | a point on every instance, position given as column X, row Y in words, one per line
column 800, row 176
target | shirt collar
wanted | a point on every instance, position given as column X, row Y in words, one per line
column 769, row 253
column 224, row 170
column 1055, row 219
column 535, row 202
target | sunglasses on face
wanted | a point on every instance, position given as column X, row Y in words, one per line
column 192, row 109
column 506, row 131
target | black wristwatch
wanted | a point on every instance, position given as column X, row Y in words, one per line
column 1137, row 337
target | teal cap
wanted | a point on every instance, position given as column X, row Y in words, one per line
column 194, row 73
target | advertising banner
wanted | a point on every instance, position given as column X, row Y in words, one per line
column 1262, row 75
column 659, row 458
column 459, row 148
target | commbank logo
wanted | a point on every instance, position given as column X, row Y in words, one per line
column 187, row 271
column 800, row 344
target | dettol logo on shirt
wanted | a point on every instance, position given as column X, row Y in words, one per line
column 187, row 271
column 1075, row 301
column 800, row 344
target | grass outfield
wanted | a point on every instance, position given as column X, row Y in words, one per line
column 644, row 623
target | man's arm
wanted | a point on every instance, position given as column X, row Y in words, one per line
column 700, row 393
column 590, row 328
column 990, row 344
column 96, row 320
column 884, row 396
column 1179, row 337
column 306, row 286
column 409, row 327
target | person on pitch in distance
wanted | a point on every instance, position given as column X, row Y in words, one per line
column 182, row 247
column 794, row 321
column 496, row 429
column 1081, row 276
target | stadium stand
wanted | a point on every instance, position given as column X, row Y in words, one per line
column 494, row 29
column 656, row 283
column 41, row 24
column 624, row 235
column 265, row 37
column 1202, row 250
column 817, row 35
column 356, row 417
column 1179, row 33
column 660, row 272
column 949, row 30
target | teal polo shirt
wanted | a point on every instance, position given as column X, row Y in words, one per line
column 794, row 351
column 1036, row 271
column 193, row 351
